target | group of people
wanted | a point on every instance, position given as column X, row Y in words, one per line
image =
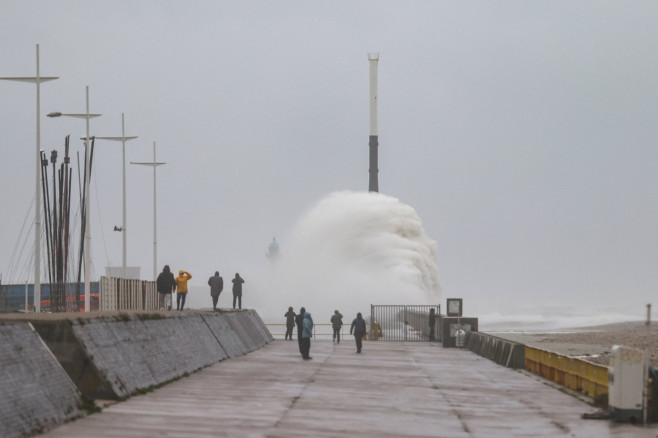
column 304, row 322
column 167, row 285
column 216, row 284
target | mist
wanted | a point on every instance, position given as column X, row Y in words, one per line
column 351, row 250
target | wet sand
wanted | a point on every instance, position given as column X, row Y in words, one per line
column 591, row 343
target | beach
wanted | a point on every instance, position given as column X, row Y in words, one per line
column 590, row 343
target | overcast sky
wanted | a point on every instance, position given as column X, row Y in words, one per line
column 523, row 133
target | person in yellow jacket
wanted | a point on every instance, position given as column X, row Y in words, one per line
column 181, row 288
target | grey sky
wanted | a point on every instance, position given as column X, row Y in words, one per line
column 523, row 133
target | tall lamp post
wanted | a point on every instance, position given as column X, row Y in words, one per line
column 124, row 231
column 154, row 164
column 87, row 246
column 38, row 79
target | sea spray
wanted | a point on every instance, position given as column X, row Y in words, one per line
column 351, row 250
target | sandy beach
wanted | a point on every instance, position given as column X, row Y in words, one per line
column 591, row 343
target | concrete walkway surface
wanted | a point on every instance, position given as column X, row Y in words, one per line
column 390, row 390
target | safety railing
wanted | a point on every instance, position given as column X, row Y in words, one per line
column 403, row 323
column 320, row 331
column 577, row 374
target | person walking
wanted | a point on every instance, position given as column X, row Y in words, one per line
column 237, row 290
column 307, row 334
column 336, row 324
column 181, row 288
column 290, row 323
column 165, row 284
column 359, row 329
column 432, row 323
column 299, row 320
column 216, row 284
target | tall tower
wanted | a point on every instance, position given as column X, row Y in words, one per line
column 373, row 185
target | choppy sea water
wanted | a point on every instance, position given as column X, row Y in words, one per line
column 558, row 319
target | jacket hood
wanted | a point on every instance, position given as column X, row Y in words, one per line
column 307, row 314
column 180, row 272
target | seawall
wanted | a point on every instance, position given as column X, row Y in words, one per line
column 54, row 366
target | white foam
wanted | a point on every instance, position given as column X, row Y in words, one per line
column 351, row 250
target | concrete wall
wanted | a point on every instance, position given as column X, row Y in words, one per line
column 501, row 351
column 35, row 392
column 47, row 376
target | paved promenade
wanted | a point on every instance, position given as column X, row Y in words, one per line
column 390, row 390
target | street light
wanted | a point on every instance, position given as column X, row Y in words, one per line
column 154, row 164
column 87, row 243
column 123, row 140
column 37, row 214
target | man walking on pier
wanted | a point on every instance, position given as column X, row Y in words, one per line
column 336, row 324
column 237, row 290
column 359, row 329
column 216, row 284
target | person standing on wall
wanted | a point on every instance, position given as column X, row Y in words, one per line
column 336, row 324
column 216, row 284
column 165, row 284
column 290, row 323
column 181, row 288
column 299, row 320
column 307, row 334
column 359, row 329
column 237, row 290
column 432, row 323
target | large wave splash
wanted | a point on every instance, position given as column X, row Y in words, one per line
column 354, row 249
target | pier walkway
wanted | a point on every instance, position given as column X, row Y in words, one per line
column 390, row 390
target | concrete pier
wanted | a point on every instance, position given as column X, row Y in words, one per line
column 390, row 390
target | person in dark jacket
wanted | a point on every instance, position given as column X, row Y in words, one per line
column 307, row 334
column 290, row 323
column 216, row 284
column 237, row 290
column 432, row 323
column 299, row 320
column 166, row 285
column 359, row 329
column 336, row 324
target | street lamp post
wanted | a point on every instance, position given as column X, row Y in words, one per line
column 154, row 164
column 123, row 140
column 87, row 243
column 38, row 79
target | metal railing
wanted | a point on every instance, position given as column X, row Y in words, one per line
column 320, row 331
column 402, row 323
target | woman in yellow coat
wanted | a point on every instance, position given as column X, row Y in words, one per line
column 181, row 288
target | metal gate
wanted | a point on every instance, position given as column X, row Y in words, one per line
column 400, row 323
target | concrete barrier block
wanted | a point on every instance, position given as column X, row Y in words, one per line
column 503, row 352
column 36, row 394
column 229, row 340
column 248, row 328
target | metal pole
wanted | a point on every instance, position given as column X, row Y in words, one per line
column 37, row 207
column 125, row 230
column 87, row 211
column 155, row 225
column 373, row 185
column 645, row 410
